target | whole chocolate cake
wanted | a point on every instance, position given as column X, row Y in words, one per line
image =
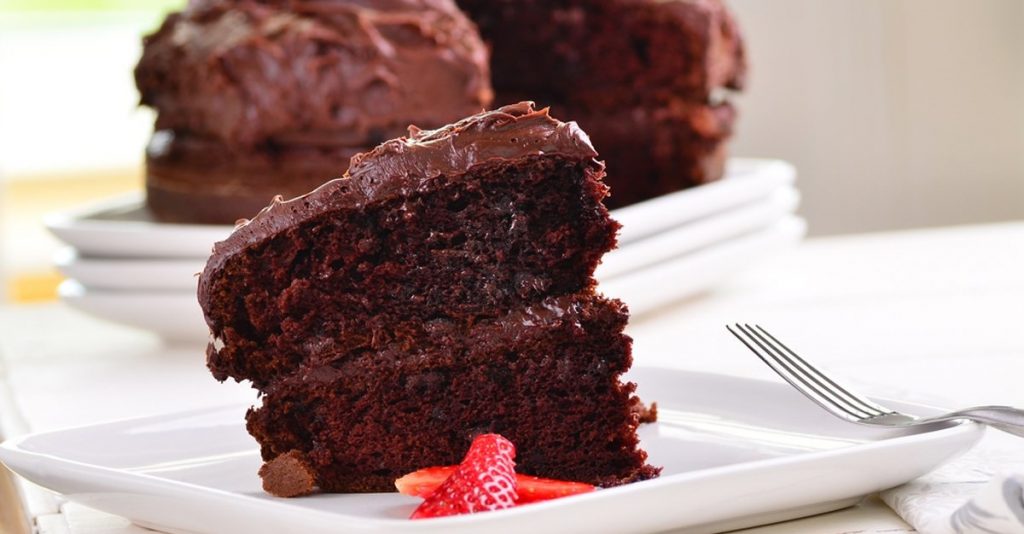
column 262, row 97
column 645, row 78
column 441, row 289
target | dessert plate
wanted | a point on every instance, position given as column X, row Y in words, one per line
column 745, row 179
column 716, row 228
column 152, row 274
column 173, row 315
column 122, row 227
column 736, row 453
column 678, row 277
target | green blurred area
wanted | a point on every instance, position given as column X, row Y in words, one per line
column 89, row 5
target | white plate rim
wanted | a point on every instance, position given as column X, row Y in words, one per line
column 129, row 274
column 687, row 205
column 131, row 238
column 690, row 238
column 84, row 217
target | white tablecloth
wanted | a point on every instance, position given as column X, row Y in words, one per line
column 930, row 315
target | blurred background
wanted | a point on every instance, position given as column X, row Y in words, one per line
column 897, row 113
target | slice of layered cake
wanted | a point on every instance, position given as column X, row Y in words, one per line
column 440, row 290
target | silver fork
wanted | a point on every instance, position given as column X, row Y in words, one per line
column 843, row 403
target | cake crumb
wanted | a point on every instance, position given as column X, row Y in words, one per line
column 288, row 475
column 648, row 414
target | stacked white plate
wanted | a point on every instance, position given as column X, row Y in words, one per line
column 125, row 267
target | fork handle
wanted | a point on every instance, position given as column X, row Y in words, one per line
column 1005, row 418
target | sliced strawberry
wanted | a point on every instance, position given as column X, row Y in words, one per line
column 533, row 489
column 423, row 482
column 485, row 480
column 529, row 488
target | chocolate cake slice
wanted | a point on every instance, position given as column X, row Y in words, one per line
column 443, row 288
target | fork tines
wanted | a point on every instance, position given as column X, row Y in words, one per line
column 805, row 377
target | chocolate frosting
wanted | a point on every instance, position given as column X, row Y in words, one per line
column 312, row 72
column 412, row 164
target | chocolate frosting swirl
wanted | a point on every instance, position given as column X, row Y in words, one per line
column 312, row 72
column 410, row 165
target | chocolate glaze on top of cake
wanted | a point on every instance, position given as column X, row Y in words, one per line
column 412, row 165
column 308, row 72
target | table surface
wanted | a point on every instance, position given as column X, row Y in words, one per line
column 931, row 314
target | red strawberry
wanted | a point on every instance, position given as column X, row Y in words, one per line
column 533, row 489
column 485, row 480
column 423, row 482
column 529, row 488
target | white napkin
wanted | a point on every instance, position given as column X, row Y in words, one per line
column 982, row 492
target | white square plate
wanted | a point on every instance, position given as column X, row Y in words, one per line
column 736, row 453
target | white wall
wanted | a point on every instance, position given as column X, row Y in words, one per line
column 68, row 103
column 897, row 113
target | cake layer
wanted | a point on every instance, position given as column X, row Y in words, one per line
column 658, row 150
column 545, row 377
column 471, row 221
column 351, row 71
column 356, row 279
column 190, row 179
column 595, row 54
